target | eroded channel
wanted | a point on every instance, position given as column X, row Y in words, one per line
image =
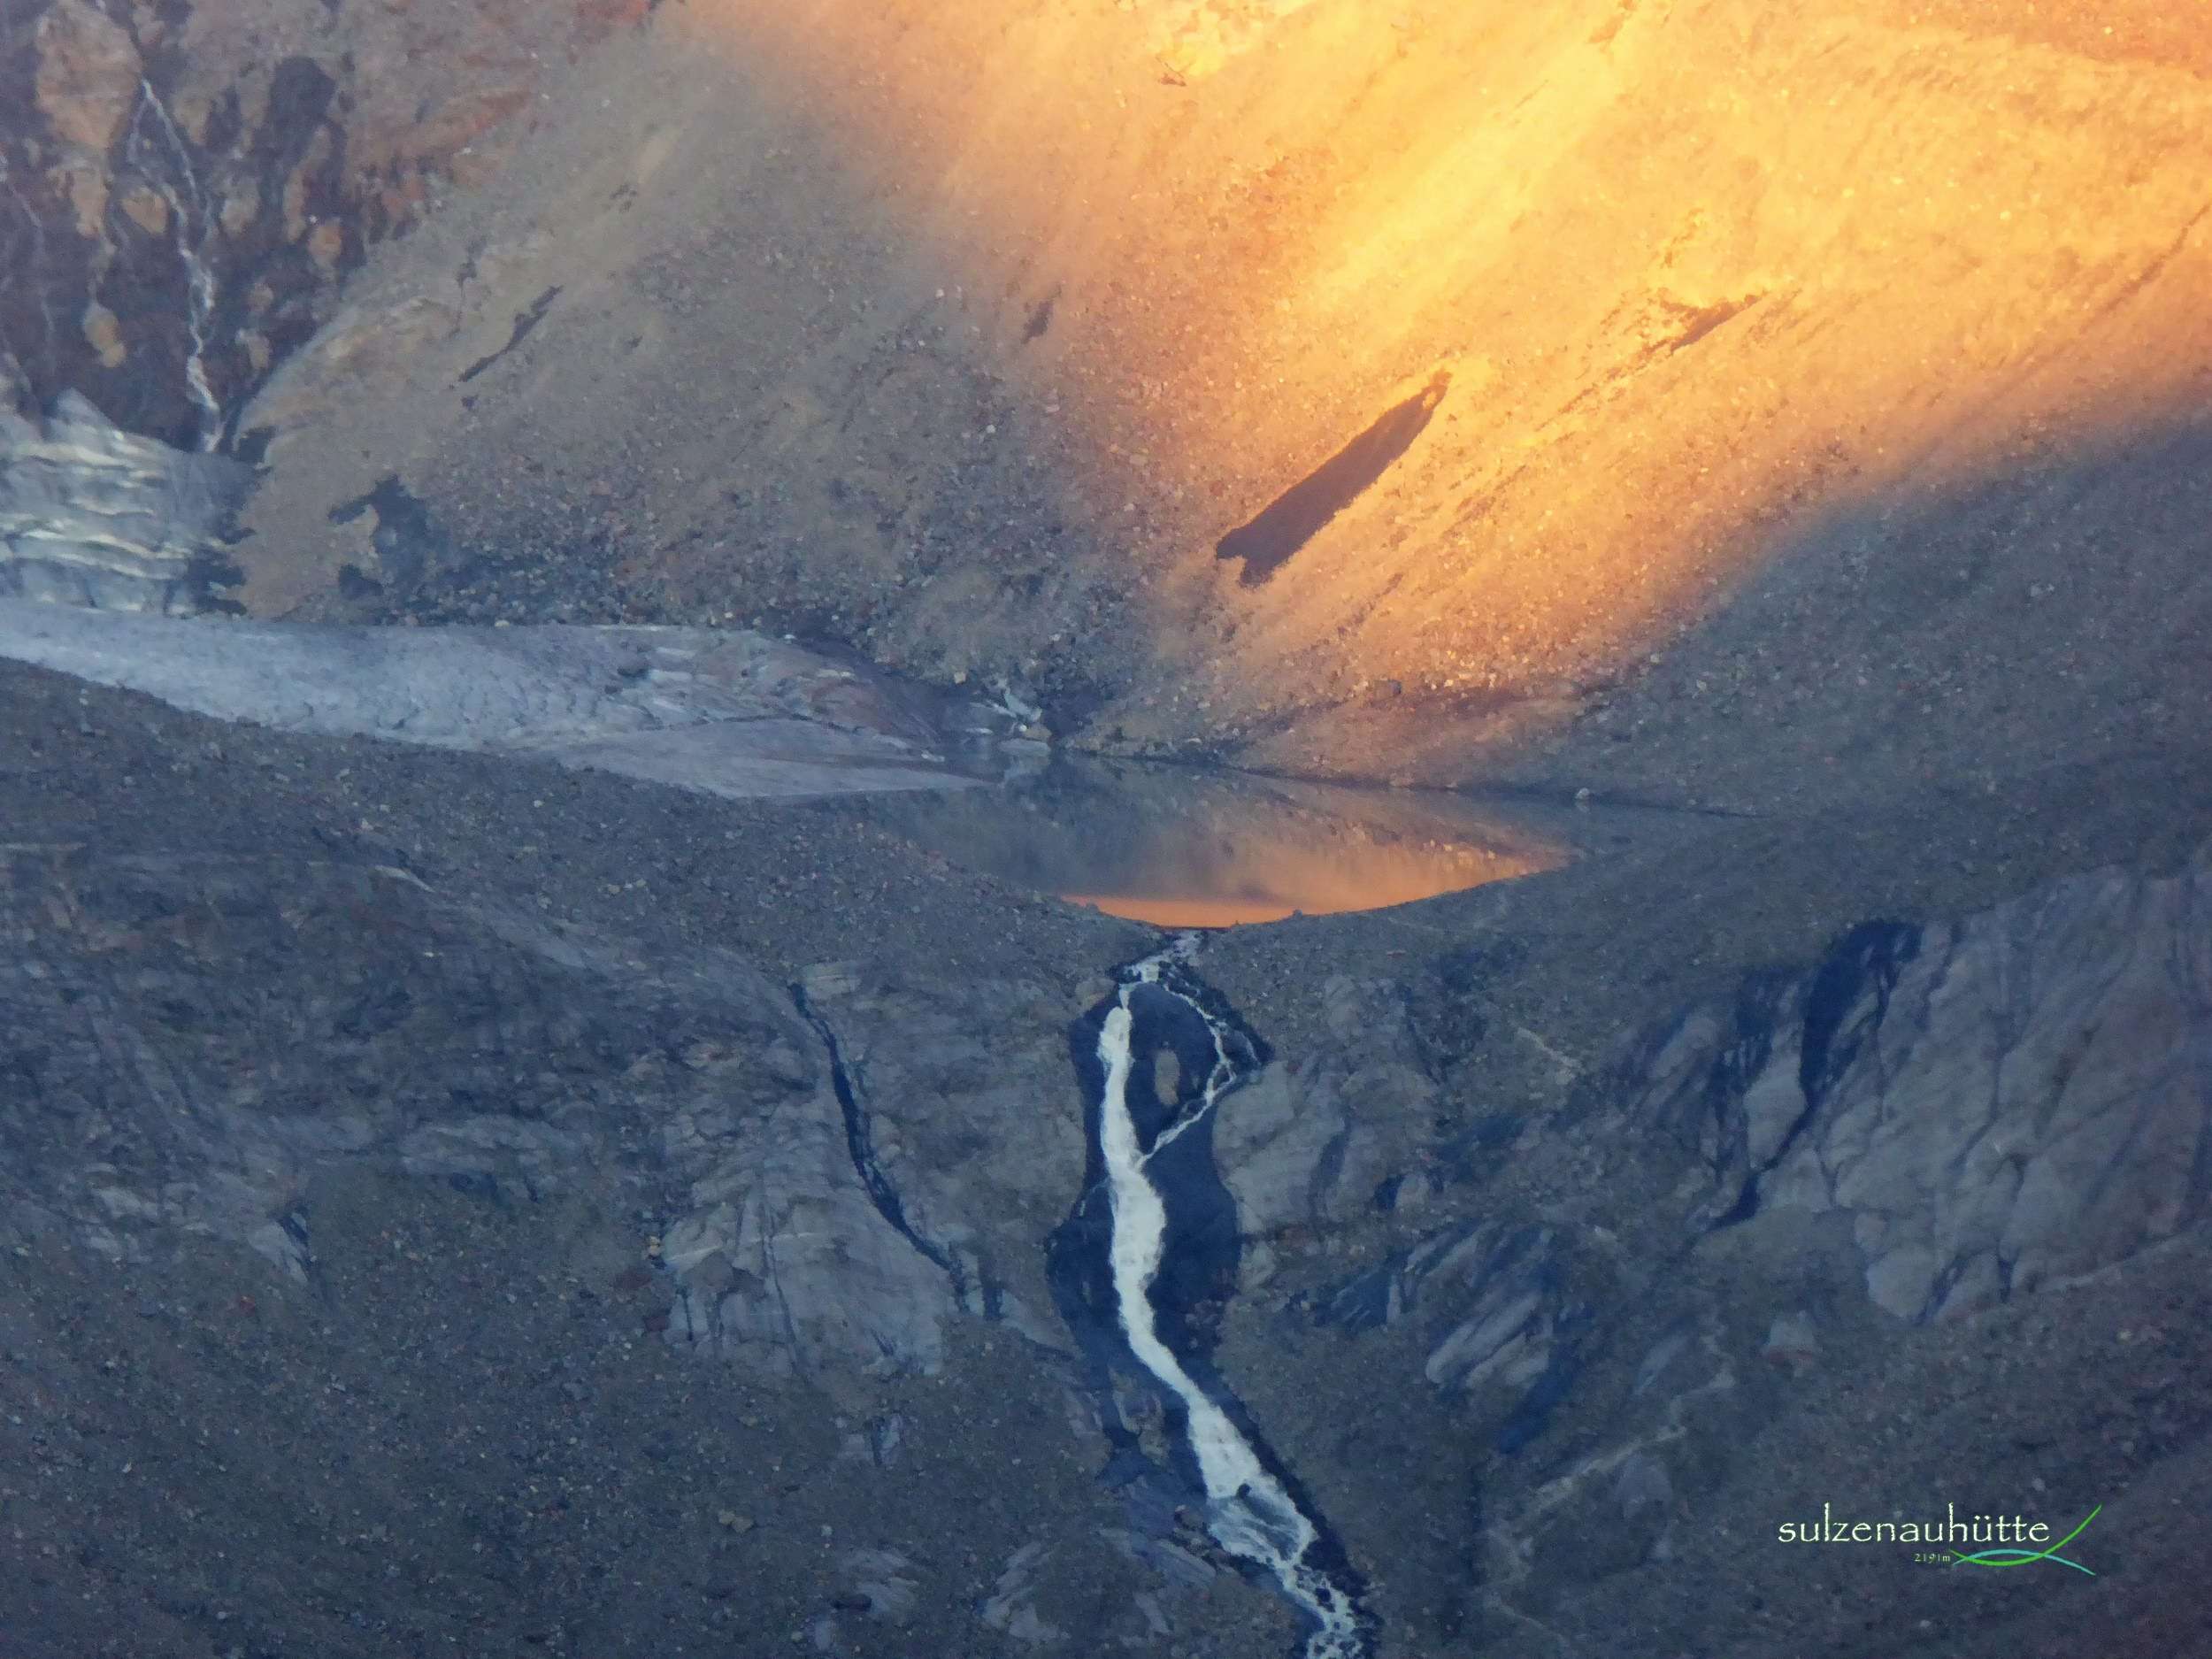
column 1144, row 1265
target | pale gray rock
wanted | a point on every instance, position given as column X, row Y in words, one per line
column 965, row 1114
column 881, row 1441
column 1492, row 1298
column 2019, row 1098
column 92, row 515
column 1169, row 1560
column 1641, row 1485
column 886, row 1579
column 1659, row 1362
column 898, row 1188
column 819, row 1281
column 1010, row 1607
column 1310, row 1140
column 1791, row 1341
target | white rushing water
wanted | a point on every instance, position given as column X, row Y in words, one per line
column 1248, row 1512
column 199, row 280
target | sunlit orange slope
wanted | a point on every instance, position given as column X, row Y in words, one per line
column 1924, row 242
column 1699, row 273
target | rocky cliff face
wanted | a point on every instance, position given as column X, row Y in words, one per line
column 183, row 188
column 1898, row 1189
column 2009, row 1101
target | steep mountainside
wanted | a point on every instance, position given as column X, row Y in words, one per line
column 478, row 1198
column 457, row 1202
column 1835, row 376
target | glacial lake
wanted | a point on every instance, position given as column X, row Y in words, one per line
column 1191, row 846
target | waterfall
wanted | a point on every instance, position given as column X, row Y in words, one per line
column 1155, row 1228
column 199, row 280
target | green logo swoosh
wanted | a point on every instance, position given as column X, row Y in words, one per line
column 2022, row 1557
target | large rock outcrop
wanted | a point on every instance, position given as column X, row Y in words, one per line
column 2020, row 1098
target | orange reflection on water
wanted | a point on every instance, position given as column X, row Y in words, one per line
column 1167, row 912
column 1207, row 881
column 1181, row 847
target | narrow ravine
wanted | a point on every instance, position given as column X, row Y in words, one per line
column 860, row 1144
column 1144, row 1265
column 187, row 210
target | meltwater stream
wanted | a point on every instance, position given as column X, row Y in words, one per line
column 1142, row 1267
column 192, row 208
